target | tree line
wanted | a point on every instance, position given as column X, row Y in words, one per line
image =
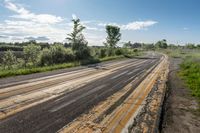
column 76, row 49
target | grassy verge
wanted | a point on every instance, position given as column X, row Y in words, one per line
column 189, row 68
column 181, row 53
column 25, row 71
column 190, row 73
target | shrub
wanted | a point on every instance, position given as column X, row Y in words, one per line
column 31, row 54
column 103, row 53
column 82, row 53
column 45, row 57
column 56, row 54
column 118, row 51
column 9, row 59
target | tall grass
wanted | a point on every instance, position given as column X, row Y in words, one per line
column 190, row 72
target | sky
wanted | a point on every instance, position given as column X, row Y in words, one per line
column 145, row 21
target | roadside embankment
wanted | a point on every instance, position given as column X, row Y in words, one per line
column 149, row 117
column 181, row 108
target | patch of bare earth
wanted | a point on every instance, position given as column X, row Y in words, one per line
column 181, row 115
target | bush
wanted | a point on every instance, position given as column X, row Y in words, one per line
column 119, row 51
column 45, row 57
column 82, row 53
column 103, row 52
column 9, row 59
column 31, row 54
column 56, row 54
column 110, row 52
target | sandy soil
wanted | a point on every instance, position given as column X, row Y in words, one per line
column 181, row 115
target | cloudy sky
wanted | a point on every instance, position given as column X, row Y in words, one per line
column 177, row 21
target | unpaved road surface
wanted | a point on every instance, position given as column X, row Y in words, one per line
column 181, row 107
column 46, row 104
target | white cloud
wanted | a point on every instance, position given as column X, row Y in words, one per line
column 137, row 25
column 29, row 28
column 104, row 24
column 185, row 28
column 25, row 14
column 74, row 16
column 25, row 23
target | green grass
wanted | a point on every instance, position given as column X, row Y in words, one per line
column 190, row 73
column 181, row 53
column 25, row 71
column 189, row 68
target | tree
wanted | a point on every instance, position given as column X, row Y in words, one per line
column 190, row 46
column 128, row 44
column 161, row 44
column 113, row 36
column 9, row 59
column 31, row 53
column 77, row 40
column 137, row 45
column 148, row 46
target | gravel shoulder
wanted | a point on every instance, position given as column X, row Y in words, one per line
column 180, row 115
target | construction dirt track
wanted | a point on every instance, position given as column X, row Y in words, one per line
column 45, row 105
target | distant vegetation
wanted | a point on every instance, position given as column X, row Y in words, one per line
column 32, row 57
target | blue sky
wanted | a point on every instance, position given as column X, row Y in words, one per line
column 146, row 21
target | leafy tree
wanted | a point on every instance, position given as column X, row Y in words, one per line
column 137, row 45
column 31, row 53
column 148, row 46
column 77, row 40
column 9, row 59
column 134, row 45
column 113, row 36
column 161, row 44
column 127, row 45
